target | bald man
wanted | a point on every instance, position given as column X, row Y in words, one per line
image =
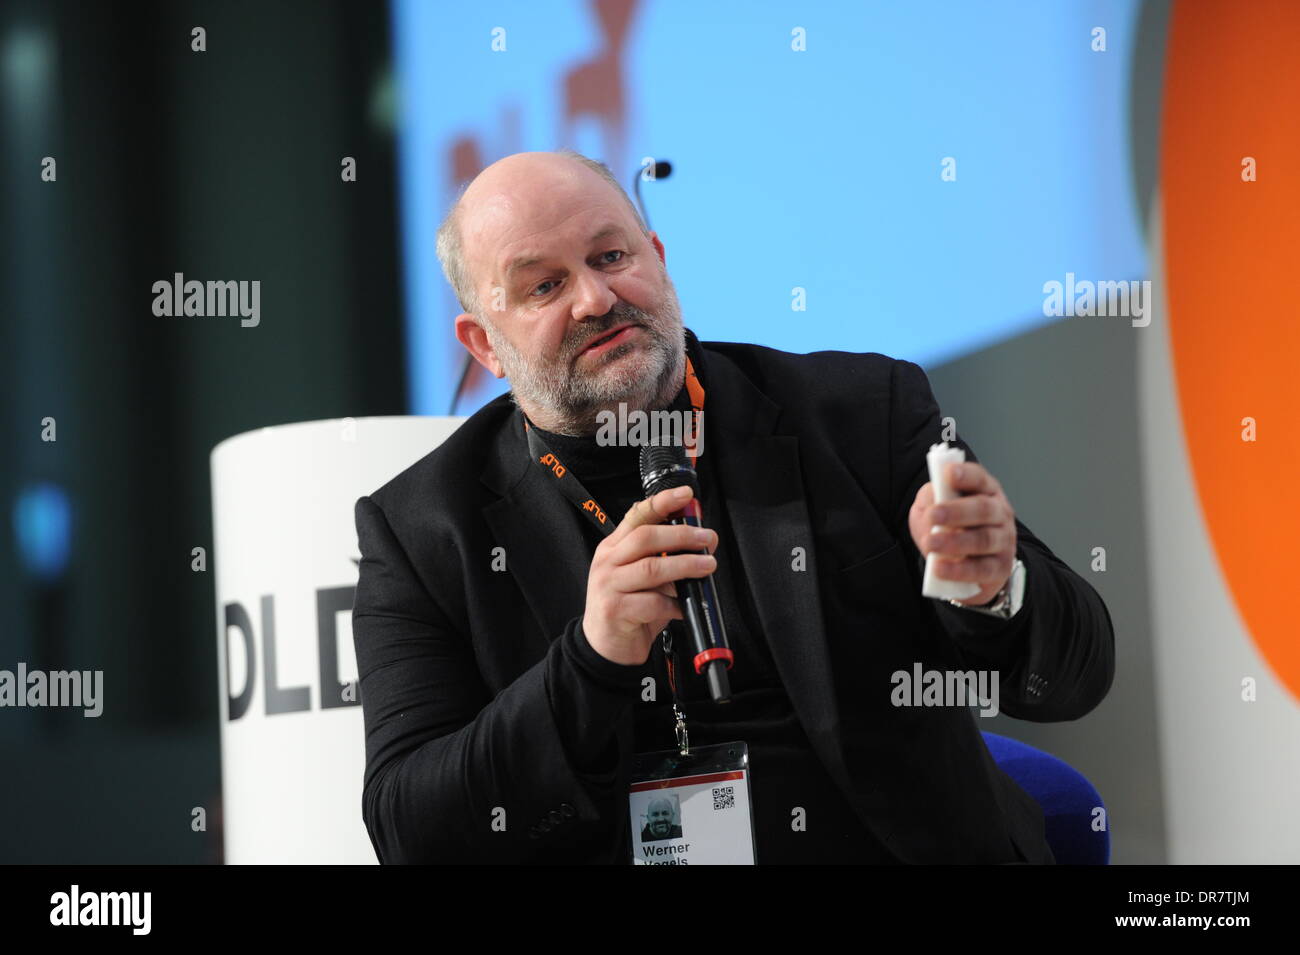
column 512, row 587
column 659, row 823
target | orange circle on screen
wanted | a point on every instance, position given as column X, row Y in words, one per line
column 1232, row 93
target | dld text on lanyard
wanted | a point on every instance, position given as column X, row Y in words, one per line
column 572, row 488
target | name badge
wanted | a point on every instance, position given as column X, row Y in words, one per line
column 693, row 809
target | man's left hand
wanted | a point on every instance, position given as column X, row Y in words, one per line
column 976, row 533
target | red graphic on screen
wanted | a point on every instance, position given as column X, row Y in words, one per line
column 594, row 90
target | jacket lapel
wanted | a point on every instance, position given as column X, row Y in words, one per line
column 535, row 543
column 760, row 475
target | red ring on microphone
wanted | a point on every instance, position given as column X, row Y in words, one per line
column 714, row 653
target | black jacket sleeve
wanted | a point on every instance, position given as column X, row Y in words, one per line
column 1056, row 657
column 457, row 774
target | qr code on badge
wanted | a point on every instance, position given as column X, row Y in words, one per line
column 724, row 797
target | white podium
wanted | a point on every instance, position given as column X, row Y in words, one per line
column 285, row 558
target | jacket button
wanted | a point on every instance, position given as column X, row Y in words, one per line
column 568, row 810
column 556, row 818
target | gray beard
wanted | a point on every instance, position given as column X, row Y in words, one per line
column 572, row 405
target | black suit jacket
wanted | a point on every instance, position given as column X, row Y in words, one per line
column 461, row 665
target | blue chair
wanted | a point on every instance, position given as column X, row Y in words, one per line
column 1067, row 798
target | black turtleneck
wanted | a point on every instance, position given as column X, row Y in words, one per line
column 611, row 473
column 785, row 773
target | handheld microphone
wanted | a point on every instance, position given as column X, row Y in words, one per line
column 663, row 467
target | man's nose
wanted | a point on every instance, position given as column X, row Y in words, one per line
column 592, row 298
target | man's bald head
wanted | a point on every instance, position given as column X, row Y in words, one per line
column 498, row 190
column 659, row 817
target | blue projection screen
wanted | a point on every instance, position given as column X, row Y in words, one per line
column 859, row 176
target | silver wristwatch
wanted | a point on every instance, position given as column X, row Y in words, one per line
column 1007, row 601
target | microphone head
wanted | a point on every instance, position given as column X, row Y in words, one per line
column 664, row 466
column 663, row 169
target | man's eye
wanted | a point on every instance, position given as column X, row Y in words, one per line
column 618, row 253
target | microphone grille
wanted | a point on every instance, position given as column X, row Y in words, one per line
column 664, row 466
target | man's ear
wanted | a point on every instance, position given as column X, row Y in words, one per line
column 659, row 246
column 471, row 334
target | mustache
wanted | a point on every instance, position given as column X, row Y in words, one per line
column 617, row 316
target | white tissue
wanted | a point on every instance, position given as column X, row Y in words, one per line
column 938, row 459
